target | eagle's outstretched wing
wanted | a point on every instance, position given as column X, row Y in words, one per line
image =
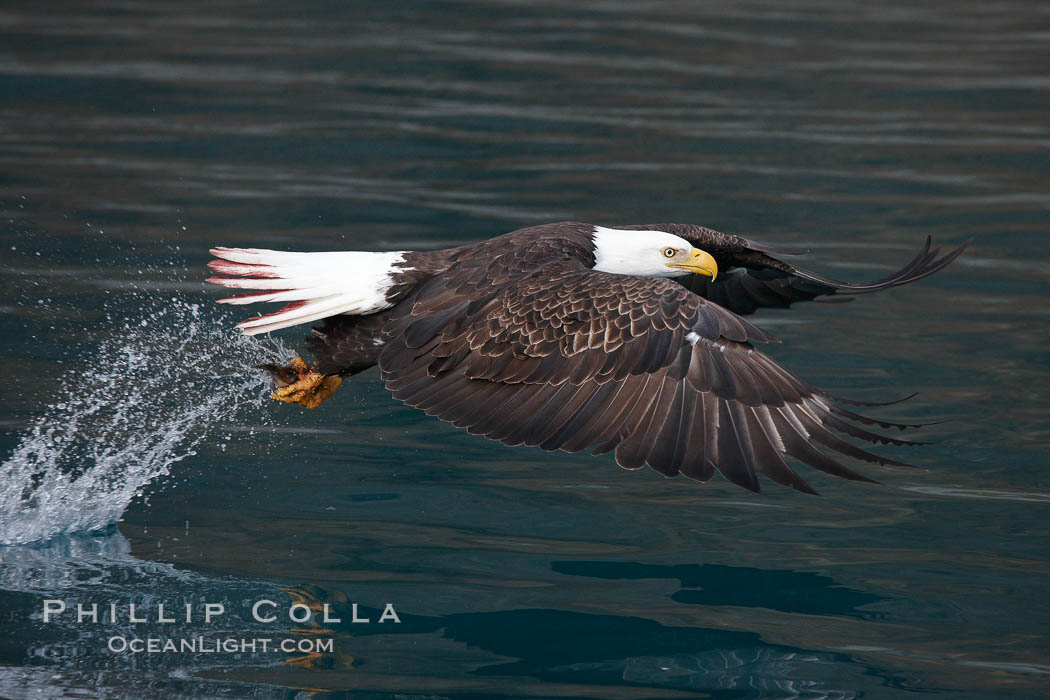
column 569, row 358
column 752, row 277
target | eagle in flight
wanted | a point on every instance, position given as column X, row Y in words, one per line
column 572, row 336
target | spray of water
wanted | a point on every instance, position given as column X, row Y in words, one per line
column 164, row 379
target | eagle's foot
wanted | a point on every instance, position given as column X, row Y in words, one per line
column 298, row 383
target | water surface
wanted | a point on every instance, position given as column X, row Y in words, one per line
column 135, row 135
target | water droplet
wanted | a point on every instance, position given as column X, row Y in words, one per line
column 125, row 421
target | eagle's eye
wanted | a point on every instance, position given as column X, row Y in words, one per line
column 670, row 252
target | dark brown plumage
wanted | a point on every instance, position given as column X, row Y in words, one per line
column 519, row 339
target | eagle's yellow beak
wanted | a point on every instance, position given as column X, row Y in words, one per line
column 699, row 263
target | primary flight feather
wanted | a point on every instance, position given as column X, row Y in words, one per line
column 572, row 336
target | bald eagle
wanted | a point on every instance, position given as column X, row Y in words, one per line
column 572, row 336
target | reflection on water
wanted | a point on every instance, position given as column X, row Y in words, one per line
column 759, row 672
column 98, row 572
column 850, row 129
column 713, row 584
column 603, row 649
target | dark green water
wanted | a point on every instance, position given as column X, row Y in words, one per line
column 135, row 135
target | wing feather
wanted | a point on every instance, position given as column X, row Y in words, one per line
column 736, row 458
column 585, row 360
column 633, row 451
column 753, row 278
column 696, row 463
column 769, row 451
column 662, row 453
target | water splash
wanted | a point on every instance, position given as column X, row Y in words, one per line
column 70, row 657
column 163, row 376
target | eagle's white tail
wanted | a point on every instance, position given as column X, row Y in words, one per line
column 317, row 285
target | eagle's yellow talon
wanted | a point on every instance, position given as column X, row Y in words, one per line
column 298, row 383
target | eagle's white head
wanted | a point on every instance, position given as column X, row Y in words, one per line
column 649, row 253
